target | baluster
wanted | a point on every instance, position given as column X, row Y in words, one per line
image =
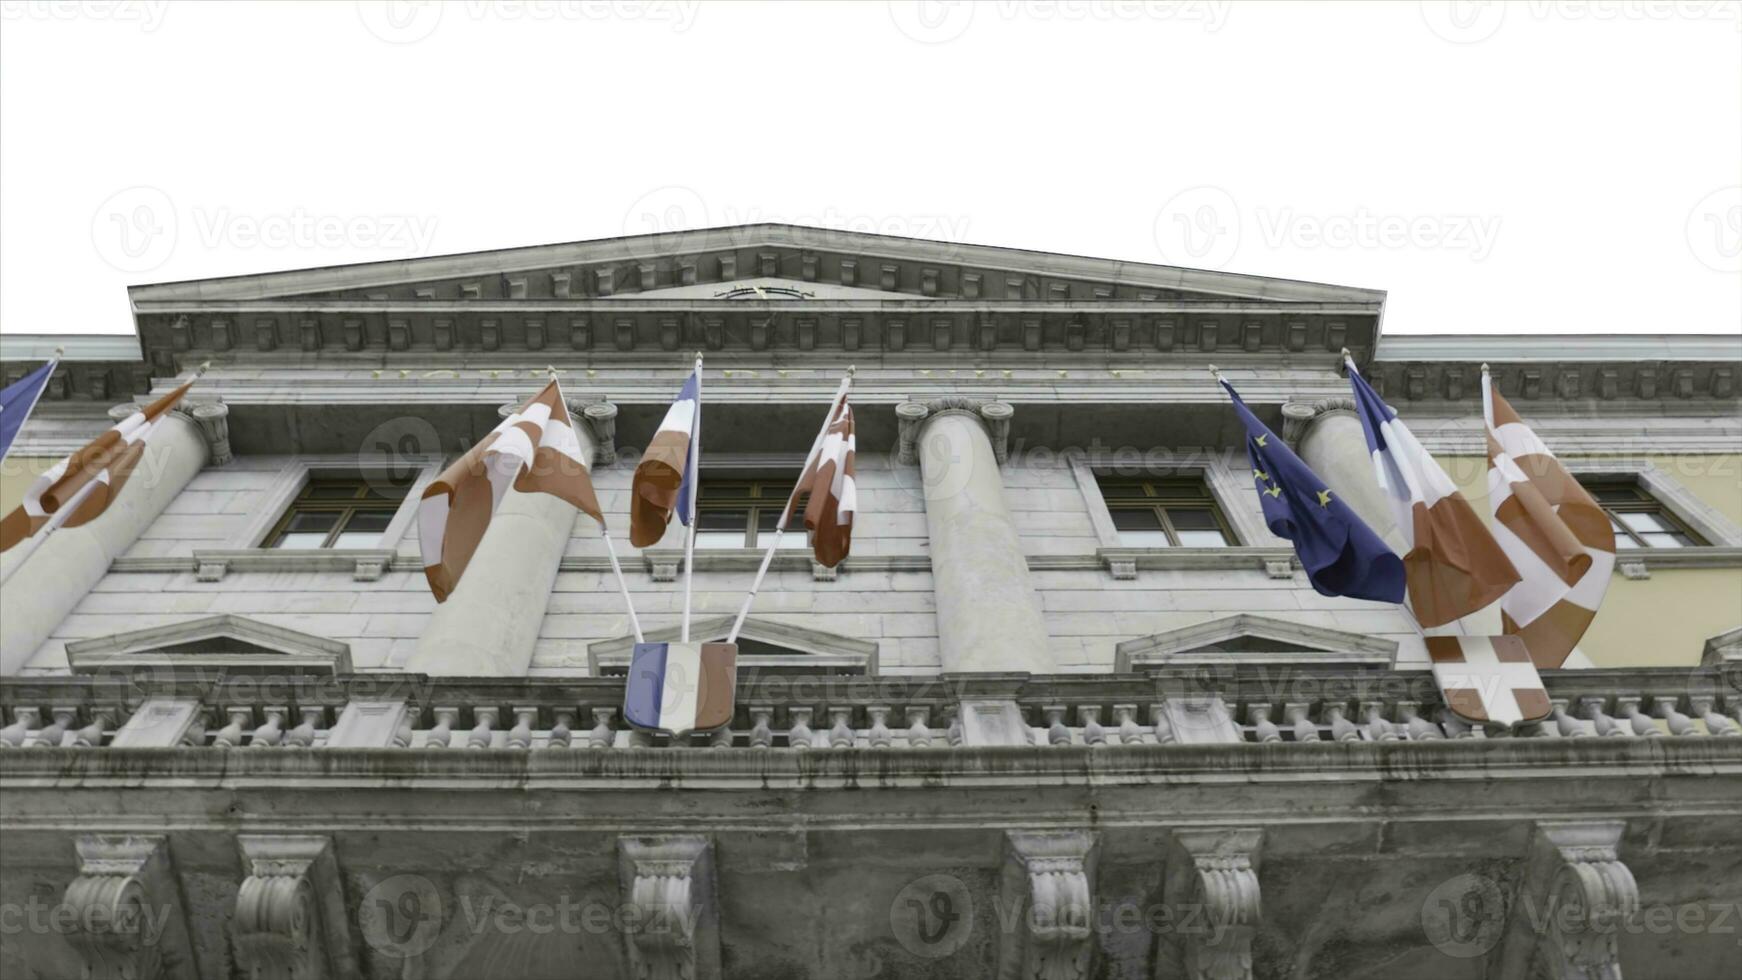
column 483, row 729
column 798, row 732
column 1704, row 705
column 880, row 736
column 24, row 720
column 918, row 727
column 230, row 735
column 442, row 735
column 102, row 719
column 1605, row 725
column 1342, row 729
column 1129, row 732
column 1415, row 727
column 721, row 738
column 303, row 735
column 1298, row 714
column 56, row 733
column 1377, row 728
column 268, row 735
column 602, row 737
column 1566, row 724
column 840, row 735
column 1642, row 724
column 1090, row 716
column 1457, row 727
column 1163, row 727
column 1056, row 732
column 402, row 734
column 1679, row 724
column 1263, row 729
column 761, row 726
column 560, row 733
column 520, row 736
column 954, row 734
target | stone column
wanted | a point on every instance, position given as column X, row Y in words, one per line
column 490, row 623
column 70, row 561
column 1328, row 437
column 988, row 614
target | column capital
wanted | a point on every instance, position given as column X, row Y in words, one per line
column 911, row 416
column 600, row 418
column 1298, row 416
column 210, row 419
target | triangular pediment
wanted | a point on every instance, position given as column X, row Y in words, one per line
column 234, row 643
column 912, row 268
column 772, row 289
column 1250, row 639
column 762, row 645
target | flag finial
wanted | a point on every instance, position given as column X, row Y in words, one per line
column 1484, row 367
column 550, row 369
column 200, row 371
column 59, row 351
column 1216, row 373
column 1347, row 355
column 852, row 370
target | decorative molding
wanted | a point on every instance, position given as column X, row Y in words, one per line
column 1220, row 878
column 212, row 419
column 911, row 416
column 668, row 881
column 1591, row 893
column 828, row 652
column 290, row 919
column 261, row 646
column 1049, row 877
column 1317, row 644
column 1724, row 649
column 1299, row 416
column 125, row 910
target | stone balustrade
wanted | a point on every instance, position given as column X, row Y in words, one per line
column 821, row 713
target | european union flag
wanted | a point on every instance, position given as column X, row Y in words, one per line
column 1341, row 554
column 16, row 401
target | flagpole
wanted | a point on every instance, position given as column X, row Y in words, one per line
column 693, row 475
column 53, row 362
column 604, row 532
column 54, row 522
column 791, row 498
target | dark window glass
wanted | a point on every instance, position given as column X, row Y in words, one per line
column 333, row 512
column 1170, row 512
column 1639, row 519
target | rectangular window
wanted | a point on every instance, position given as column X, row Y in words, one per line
column 339, row 512
column 1639, row 519
column 1165, row 512
column 742, row 513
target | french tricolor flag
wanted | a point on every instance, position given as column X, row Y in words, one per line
column 681, row 687
column 663, row 481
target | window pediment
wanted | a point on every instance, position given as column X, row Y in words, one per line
column 1249, row 639
column 763, row 645
column 233, row 643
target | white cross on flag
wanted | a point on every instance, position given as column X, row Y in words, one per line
column 1488, row 680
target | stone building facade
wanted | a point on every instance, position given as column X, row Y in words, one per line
column 1068, row 710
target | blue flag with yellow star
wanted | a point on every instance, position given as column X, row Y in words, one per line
column 1341, row 554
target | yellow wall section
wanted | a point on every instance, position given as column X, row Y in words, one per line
column 1662, row 621
column 16, row 475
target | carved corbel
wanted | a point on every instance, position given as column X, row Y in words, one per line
column 1218, row 880
column 125, row 909
column 1048, row 876
column 290, row 913
column 1593, row 895
column 672, row 932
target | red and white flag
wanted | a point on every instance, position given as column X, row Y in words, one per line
column 1557, row 537
column 535, row 450
column 79, row 488
column 834, row 497
column 1488, row 680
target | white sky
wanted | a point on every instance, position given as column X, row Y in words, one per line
column 1543, row 167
